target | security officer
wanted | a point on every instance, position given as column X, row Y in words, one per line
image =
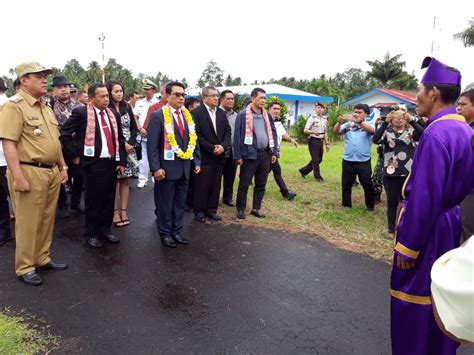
column 36, row 168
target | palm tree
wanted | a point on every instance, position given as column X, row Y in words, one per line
column 391, row 68
column 467, row 36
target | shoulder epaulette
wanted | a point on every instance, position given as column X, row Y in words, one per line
column 16, row 98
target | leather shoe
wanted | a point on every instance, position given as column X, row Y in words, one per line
column 178, row 238
column 77, row 209
column 301, row 173
column 257, row 214
column 167, row 241
column 31, row 278
column 213, row 216
column 240, row 214
column 94, row 242
column 6, row 239
column 228, row 203
column 110, row 238
column 54, row 266
column 199, row 216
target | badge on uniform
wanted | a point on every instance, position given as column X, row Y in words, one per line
column 37, row 131
column 248, row 140
column 169, row 155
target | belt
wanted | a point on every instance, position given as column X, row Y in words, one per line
column 263, row 150
column 319, row 139
column 39, row 165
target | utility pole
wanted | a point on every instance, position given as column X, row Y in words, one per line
column 102, row 39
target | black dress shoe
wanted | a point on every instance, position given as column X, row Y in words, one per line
column 31, row 278
column 94, row 242
column 228, row 203
column 320, row 180
column 240, row 214
column 213, row 216
column 178, row 238
column 110, row 238
column 301, row 172
column 53, row 266
column 290, row 196
column 199, row 216
column 77, row 209
column 257, row 214
column 4, row 239
column 168, row 242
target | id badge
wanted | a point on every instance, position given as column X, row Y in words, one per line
column 169, row 155
column 248, row 140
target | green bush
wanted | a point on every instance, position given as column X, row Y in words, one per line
column 299, row 132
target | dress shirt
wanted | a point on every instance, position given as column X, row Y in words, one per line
column 175, row 116
column 317, row 124
column 357, row 142
column 104, row 153
column 212, row 113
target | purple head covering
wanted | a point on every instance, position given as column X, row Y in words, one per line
column 438, row 73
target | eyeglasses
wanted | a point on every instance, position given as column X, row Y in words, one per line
column 179, row 94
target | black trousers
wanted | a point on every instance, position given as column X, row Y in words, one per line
column 363, row 170
column 170, row 199
column 100, row 183
column 393, row 189
column 276, row 168
column 259, row 168
column 207, row 188
column 77, row 176
column 316, row 150
column 5, row 230
column 230, row 170
column 190, row 190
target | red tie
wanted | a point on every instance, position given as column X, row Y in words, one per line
column 108, row 135
column 180, row 123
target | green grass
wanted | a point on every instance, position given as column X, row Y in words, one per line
column 317, row 208
column 18, row 337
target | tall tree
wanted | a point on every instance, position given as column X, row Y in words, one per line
column 467, row 36
column 387, row 70
column 75, row 73
column 212, row 75
column 94, row 73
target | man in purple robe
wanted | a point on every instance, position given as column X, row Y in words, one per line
column 430, row 219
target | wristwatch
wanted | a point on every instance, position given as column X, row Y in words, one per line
column 64, row 167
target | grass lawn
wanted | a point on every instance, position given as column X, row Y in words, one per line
column 317, row 209
column 16, row 337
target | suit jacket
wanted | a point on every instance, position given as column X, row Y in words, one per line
column 208, row 137
column 73, row 133
column 155, row 148
column 245, row 151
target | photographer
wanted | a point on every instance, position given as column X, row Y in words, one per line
column 397, row 134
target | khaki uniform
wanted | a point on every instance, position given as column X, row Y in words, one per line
column 32, row 124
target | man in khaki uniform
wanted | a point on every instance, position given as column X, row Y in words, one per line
column 30, row 135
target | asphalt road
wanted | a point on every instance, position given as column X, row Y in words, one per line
column 233, row 289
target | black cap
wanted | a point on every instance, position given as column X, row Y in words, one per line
column 60, row 80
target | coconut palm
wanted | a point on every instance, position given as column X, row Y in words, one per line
column 467, row 36
column 389, row 69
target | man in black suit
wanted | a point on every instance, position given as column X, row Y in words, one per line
column 93, row 138
column 171, row 164
column 213, row 132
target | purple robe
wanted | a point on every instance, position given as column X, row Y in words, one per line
column 429, row 225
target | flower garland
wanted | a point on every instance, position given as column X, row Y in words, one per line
column 188, row 154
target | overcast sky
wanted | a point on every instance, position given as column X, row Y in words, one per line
column 256, row 40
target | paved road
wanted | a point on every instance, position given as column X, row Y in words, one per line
column 232, row 289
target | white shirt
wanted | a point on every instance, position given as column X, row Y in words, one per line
column 104, row 153
column 175, row 116
column 317, row 124
column 141, row 108
column 3, row 162
column 212, row 113
column 281, row 131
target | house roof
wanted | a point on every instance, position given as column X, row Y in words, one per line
column 283, row 92
column 401, row 96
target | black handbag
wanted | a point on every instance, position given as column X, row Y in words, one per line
column 138, row 147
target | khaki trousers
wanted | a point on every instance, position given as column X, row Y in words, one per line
column 35, row 212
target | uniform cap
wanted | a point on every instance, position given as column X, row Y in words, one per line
column 148, row 84
column 439, row 73
column 31, row 67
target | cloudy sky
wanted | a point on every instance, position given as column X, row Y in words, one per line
column 256, row 40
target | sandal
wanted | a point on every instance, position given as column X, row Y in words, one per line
column 125, row 221
column 120, row 222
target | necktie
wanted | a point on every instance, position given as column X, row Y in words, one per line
column 180, row 123
column 107, row 134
